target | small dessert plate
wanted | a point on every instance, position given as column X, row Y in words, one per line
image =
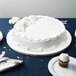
column 56, row 70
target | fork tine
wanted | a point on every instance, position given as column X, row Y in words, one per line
column 75, row 33
column 64, row 22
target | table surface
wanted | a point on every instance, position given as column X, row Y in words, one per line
column 32, row 65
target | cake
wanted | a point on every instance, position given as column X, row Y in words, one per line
column 36, row 32
column 14, row 20
column 63, row 60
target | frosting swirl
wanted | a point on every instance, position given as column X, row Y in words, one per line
column 64, row 57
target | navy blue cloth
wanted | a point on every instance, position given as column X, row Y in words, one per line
column 33, row 66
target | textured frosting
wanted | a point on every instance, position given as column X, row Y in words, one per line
column 64, row 57
column 14, row 20
column 39, row 45
column 37, row 32
column 39, row 28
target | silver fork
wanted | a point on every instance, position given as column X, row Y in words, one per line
column 75, row 33
column 65, row 22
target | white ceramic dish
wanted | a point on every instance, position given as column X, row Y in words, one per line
column 57, row 48
column 56, row 70
column 1, row 36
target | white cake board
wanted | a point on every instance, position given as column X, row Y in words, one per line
column 55, row 50
column 55, row 69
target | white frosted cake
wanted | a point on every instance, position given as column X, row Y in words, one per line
column 36, row 32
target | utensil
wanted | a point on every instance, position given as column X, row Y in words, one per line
column 7, row 63
column 75, row 33
column 64, row 22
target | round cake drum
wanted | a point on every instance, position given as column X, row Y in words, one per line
column 63, row 43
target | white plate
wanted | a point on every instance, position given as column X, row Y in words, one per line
column 64, row 43
column 56, row 70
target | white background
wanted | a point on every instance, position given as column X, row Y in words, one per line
column 54, row 8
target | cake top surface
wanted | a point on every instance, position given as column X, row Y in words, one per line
column 64, row 57
column 39, row 28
